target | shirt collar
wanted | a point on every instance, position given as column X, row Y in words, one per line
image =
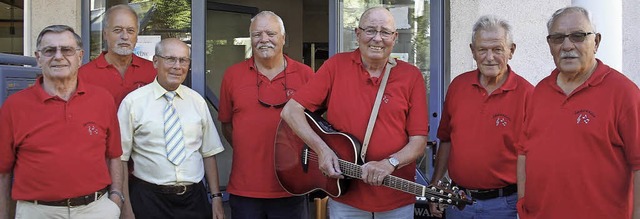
column 101, row 61
column 356, row 56
column 509, row 84
column 291, row 68
column 598, row 75
column 159, row 91
column 44, row 96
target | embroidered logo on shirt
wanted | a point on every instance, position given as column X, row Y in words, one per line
column 290, row 92
column 502, row 119
column 385, row 98
column 584, row 116
column 92, row 128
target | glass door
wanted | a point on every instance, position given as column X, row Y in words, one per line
column 227, row 43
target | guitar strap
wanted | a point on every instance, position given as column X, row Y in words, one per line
column 376, row 106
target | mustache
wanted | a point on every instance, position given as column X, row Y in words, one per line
column 569, row 54
column 118, row 42
column 266, row 45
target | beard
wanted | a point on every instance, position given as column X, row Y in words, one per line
column 124, row 51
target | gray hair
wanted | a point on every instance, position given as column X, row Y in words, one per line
column 58, row 29
column 126, row 7
column 491, row 21
column 160, row 45
column 270, row 13
column 569, row 9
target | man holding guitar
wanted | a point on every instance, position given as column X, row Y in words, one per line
column 346, row 86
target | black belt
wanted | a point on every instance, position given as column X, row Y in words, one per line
column 77, row 201
column 171, row 189
column 484, row 194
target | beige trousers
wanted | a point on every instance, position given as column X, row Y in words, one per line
column 99, row 209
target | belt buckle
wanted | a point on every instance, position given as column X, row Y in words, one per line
column 69, row 203
column 184, row 190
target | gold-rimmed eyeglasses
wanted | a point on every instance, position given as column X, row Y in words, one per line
column 278, row 105
column 172, row 60
column 51, row 51
column 371, row 32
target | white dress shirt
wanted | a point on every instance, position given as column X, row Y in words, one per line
column 142, row 132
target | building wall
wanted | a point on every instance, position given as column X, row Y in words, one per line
column 532, row 59
column 631, row 41
column 42, row 13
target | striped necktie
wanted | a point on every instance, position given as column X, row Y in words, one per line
column 173, row 132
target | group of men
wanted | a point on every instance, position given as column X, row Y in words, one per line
column 570, row 144
column 66, row 141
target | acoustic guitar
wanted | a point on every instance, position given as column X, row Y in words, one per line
column 297, row 165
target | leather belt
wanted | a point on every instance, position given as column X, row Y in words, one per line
column 484, row 194
column 73, row 202
column 169, row 189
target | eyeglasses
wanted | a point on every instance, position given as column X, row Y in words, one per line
column 265, row 104
column 574, row 37
column 65, row 50
column 371, row 32
column 172, row 60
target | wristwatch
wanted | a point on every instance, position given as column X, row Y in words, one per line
column 114, row 192
column 394, row 162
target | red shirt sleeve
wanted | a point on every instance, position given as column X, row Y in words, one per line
column 7, row 148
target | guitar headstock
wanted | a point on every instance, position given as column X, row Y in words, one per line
column 444, row 193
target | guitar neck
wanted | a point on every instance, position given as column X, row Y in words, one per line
column 355, row 171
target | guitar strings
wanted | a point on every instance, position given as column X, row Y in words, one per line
column 417, row 190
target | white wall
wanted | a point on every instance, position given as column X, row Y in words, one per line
column 631, row 39
column 528, row 19
column 43, row 13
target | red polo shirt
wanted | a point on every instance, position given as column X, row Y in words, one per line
column 482, row 129
column 581, row 149
column 55, row 148
column 105, row 75
column 254, row 126
column 345, row 88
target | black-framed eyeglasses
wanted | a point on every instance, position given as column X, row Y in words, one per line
column 371, row 32
column 51, row 51
column 574, row 37
column 265, row 104
column 172, row 60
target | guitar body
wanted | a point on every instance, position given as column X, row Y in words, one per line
column 297, row 165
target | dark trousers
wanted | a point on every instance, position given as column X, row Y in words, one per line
column 149, row 203
column 271, row 208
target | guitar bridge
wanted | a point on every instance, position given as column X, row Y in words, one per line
column 305, row 158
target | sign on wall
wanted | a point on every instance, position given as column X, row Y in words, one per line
column 146, row 46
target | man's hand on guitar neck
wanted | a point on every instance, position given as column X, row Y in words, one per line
column 329, row 164
column 374, row 172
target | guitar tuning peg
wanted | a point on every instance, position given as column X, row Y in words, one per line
column 449, row 201
column 440, row 200
column 455, row 188
column 441, row 191
column 433, row 199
